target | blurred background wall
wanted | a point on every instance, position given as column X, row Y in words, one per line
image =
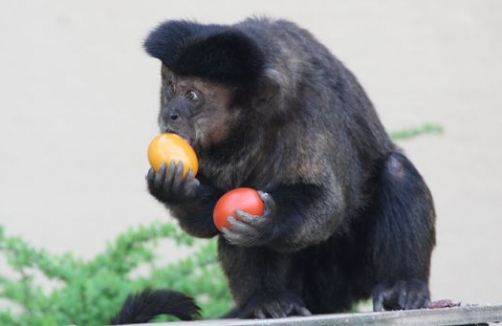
column 78, row 105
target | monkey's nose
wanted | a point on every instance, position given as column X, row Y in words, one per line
column 174, row 117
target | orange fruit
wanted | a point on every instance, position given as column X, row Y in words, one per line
column 244, row 199
column 168, row 147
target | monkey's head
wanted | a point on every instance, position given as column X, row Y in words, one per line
column 211, row 75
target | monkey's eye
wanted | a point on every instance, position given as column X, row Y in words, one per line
column 192, row 96
column 171, row 87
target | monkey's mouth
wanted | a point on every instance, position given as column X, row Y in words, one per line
column 189, row 140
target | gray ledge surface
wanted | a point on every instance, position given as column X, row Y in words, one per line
column 431, row 317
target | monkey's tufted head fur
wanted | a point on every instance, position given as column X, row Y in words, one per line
column 215, row 52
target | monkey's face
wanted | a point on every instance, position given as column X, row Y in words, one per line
column 196, row 109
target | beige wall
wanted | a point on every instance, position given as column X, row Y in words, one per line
column 78, row 103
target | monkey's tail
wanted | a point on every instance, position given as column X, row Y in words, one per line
column 144, row 306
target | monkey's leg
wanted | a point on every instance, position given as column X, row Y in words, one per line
column 259, row 280
column 403, row 237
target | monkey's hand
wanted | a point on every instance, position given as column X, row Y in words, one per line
column 168, row 184
column 252, row 230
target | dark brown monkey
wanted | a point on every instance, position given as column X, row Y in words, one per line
column 265, row 105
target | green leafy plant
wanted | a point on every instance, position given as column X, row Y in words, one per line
column 88, row 292
column 44, row 289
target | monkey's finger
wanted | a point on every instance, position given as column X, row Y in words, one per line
column 238, row 226
column 302, row 311
column 253, row 221
column 178, row 177
column 383, row 297
column 246, row 217
column 158, row 180
column 378, row 303
column 188, row 178
column 276, row 310
column 268, row 201
column 411, row 295
column 259, row 314
column 391, row 299
column 416, row 300
column 150, row 177
column 403, row 298
column 168, row 176
column 263, row 195
column 238, row 238
column 190, row 184
column 230, row 236
column 191, row 179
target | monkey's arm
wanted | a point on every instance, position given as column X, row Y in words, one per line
column 190, row 200
column 295, row 216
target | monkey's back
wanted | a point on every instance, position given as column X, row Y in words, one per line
column 330, row 125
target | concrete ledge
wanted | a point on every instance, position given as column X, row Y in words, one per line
column 426, row 317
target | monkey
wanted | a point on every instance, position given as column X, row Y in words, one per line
column 266, row 105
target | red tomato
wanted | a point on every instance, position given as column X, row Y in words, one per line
column 244, row 199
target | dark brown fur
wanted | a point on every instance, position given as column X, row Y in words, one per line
column 291, row 121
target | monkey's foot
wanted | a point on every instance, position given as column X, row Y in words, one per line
column 270, row 307
column 402, row 295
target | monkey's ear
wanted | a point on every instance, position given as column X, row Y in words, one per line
column 216, row 52
column 275, row 87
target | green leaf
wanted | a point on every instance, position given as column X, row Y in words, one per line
column 426, row 128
